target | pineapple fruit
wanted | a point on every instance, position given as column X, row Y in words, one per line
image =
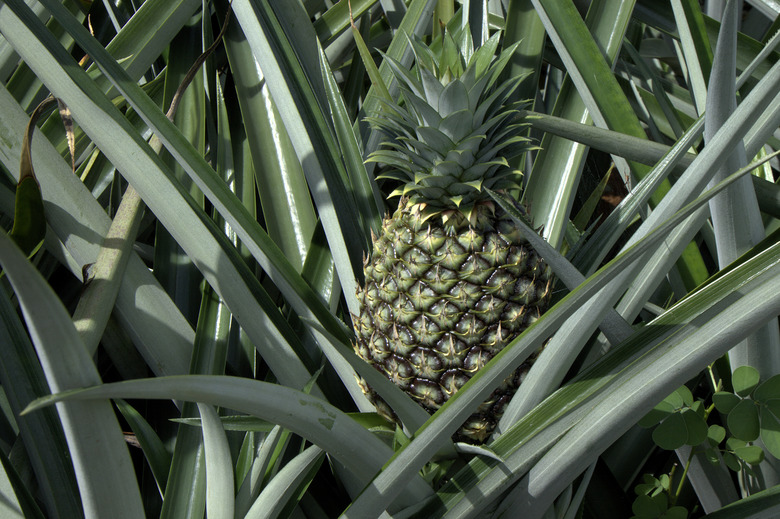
column 450, row 280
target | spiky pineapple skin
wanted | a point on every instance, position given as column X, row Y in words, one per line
column 439, row 302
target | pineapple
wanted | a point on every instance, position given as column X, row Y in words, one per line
column 450, row 280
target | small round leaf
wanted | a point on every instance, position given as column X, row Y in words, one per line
column 696, row 427
column 772, row 406
column 670, row 404
column 716, row 434
column 732, row 461
column 671, row 433
column 745, row 379
column 657, row 414
column 675, row 400
column 769, row 389
column 650, row 507
column 712, row 456
column 644, row 489
column 685, row 395
column 676, row 512
column 751, row 454
column 770, row 432
column 743, row 421
column 725, row 401
column 649, row 479
column 682, row 397
column 735, row 443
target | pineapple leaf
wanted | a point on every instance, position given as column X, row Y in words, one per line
column 451, row 63
column 314, row 419
column 457, row 125
column 476, row 185
column 426, row 114
column 426, row 151
column 495, row 101
column 477, row 173
column 373, row 73
column 92, row 427
column 426, row 59
column 435, row 139
column 432, row 88
column 483, row 57
column 389, row 125
column 391, row 158
column 404, row 77
column 497, row 67
column 466, row 44
column 453, row 98
column 403, row 158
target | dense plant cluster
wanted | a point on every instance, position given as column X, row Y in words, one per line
column 202, row 270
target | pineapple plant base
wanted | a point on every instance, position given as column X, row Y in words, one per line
column 451, row 280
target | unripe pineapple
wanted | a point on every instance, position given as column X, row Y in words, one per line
column 450, row 280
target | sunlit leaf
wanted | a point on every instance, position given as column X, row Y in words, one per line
column 751, row 454
column 744, row 379
column 716, row 434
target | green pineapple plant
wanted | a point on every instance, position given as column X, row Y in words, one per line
column 271, row 133
column 451, row 279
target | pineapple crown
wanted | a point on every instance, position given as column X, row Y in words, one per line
column 453, row 128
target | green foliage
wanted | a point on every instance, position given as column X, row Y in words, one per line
column 681, row 421
column 259, row 194
column 683, row 428
column 744, row 380
column 748, row 414
column 653, row 500
column 756, row 413
column 742, row 421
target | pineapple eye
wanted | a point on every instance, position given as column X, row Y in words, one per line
column 427, row 364
column 475, row 360
column 428, row 393
column 398, row 370
column 452, row 380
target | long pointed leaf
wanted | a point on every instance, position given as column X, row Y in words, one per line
column 314, row 419
column 194, row 230
column 95, row 441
